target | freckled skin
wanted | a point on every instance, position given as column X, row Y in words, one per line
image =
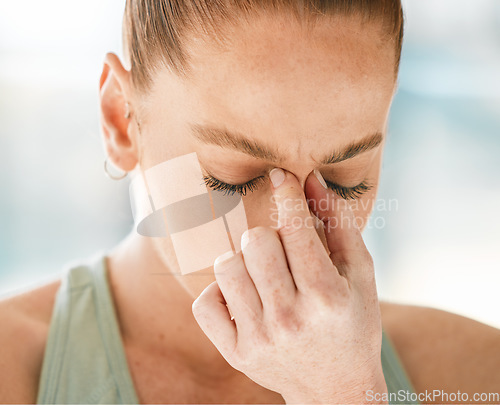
column 275, row 94
column 303, row 93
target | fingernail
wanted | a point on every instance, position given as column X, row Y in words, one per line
column 320, row 178
column 244, row 239
column 223, row 257
column 277, row 177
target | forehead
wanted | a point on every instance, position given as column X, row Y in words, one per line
column 277, row 78
column 274, row 46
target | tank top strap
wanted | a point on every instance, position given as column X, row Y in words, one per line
column 84, row 359
column 399, row 386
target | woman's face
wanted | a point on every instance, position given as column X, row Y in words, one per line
column 301, row 98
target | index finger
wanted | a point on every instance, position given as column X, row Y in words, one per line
column 306, row 255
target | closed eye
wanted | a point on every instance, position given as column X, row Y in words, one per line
column 242, row 189
column 347, row 193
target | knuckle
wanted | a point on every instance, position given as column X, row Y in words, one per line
column 286, row 320
column 327, row 294
column 261, row 335
column 227, row 268
column 354, row 257
column 259, row 234
column 201, row 307
column 291, row 228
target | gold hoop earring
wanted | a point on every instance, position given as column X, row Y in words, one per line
column 106, row 171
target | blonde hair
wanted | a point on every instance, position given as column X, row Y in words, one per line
column 156, row 32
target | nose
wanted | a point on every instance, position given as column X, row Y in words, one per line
column 301, row 173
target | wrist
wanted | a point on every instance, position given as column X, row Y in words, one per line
column 375, row 393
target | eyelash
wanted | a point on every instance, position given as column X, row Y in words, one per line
column 347, row 193
column 350, row 193
column 216, row 184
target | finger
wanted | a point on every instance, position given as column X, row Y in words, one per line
column 307, row 258
column 211, row 314
column 266, row 263
column 348, row 251
column 238, row 290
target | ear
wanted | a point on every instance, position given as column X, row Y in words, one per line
column 119, row 136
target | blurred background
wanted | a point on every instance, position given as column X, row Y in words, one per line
column 434, row 235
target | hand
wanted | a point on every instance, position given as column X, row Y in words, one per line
column 307, row 323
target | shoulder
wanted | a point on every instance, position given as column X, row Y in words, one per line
column 441, row 350
column 25, row 320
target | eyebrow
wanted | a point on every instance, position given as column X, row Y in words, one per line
column 237, row 141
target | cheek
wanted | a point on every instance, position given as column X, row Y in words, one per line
column 260, row 209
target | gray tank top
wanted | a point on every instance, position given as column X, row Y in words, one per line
column 84, row 360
